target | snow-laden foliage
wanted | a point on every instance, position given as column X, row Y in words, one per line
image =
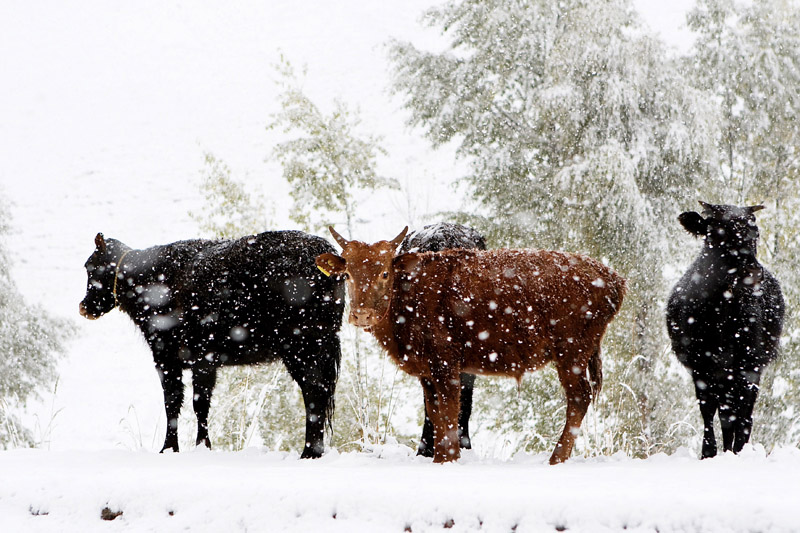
column 325, row 160
column 30, row 341
column 582, row 135
column 230, row 211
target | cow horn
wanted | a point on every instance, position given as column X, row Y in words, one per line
column 397, row 240
column 754, row 208
column 341, row 240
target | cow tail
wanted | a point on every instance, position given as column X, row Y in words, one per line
column 331, row 363
column 617, row 288
column 595, row 371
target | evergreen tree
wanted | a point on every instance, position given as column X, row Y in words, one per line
column 30, row 341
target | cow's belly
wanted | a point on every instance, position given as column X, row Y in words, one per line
column 511, row 361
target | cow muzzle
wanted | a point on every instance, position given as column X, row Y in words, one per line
column 363, row 318
column 84, row 313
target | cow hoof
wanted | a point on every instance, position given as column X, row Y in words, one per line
column 424, row 451
column 311, row 453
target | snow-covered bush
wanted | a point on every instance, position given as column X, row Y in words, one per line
column 30, row 341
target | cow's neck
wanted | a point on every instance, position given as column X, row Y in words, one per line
column 726, row 256
column 140, row 268
column 383, row 330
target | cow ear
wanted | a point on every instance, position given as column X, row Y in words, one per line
column 693, row 223
column 406, row 263
column 100, row 242
column 331, row 264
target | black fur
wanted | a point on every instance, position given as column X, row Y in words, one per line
column 436, row 238
column 203, row 304
column 724, row 318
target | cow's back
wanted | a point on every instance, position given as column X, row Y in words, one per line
column 252, row 297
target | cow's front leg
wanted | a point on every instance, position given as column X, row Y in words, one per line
column 704, row 389
column 426, row 441
column 425, row 447
column 467, row 386
column 172, row 384
column 444, row 413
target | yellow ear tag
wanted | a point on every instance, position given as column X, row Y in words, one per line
column 323, row 271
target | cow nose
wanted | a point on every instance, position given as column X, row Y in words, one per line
column 361, row 316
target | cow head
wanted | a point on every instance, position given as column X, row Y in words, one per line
column 725, row 227
column 101, row 268
column 370, row 271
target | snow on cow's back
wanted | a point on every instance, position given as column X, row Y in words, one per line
column 515, row 276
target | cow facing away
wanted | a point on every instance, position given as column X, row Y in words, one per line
column 435, row 238
column 204, row 304
column 495, row 312
column 724, row 318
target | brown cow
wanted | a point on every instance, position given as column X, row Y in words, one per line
column 496, row 312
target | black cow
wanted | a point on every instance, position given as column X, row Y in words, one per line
column 435, row 238
column 724, row 318
column 202, row 304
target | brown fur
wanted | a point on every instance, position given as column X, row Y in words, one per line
column 497, row 312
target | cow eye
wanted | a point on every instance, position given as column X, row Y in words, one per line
column 385, row 275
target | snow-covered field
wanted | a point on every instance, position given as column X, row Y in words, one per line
column 391, row 490
column 106, row 111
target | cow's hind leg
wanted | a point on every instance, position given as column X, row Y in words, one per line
column 315, row 368
column 203, row 381
column 172, row 384
column 578, row 390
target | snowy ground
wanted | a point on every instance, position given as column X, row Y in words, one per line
column 106, row 111
column 392, row 491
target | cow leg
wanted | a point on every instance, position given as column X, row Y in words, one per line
column 578, row 390
column 315, row 368
column 747, row 396
column 728, row 399
column 172, row 384
column 707, row 398
column 315, row 400
column 444, row 413
column 465, row 410
column 203, row 381
column 425, row 447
